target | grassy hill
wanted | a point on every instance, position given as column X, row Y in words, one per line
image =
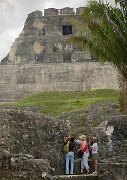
column 55, row 103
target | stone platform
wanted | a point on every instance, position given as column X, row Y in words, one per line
column 76, row 177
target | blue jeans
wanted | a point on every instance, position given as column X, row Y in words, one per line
column 70, row 159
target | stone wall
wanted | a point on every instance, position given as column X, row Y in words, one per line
column 30, row 144
column 17, row 81
column 113, row 149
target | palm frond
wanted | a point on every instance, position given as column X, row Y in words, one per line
column 102, row 28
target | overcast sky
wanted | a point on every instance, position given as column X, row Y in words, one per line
column 13, row 14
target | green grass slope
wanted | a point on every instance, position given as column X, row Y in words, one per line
column 55, row 103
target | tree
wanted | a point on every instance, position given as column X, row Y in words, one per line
column 103, row 29
column 123, row 6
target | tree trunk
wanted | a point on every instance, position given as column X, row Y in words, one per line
column 123, row 91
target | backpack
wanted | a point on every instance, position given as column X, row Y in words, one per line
column 81, row 152
column 66, row 147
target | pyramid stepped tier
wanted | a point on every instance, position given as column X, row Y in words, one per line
column 43, row 39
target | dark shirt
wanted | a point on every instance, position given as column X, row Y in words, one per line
column 71, row 146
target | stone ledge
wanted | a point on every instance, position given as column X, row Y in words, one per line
column 76, row 177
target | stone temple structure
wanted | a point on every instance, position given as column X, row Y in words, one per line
column 40, row 59
column 43, row 39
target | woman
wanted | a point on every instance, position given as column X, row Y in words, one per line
column 95, row 153
column 85, row 150
column 70, row 156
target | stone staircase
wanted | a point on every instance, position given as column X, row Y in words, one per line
column 77, row 174
column 75, row 177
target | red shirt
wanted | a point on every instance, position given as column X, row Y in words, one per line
column 84, row 146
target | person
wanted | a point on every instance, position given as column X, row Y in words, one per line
column 70, row 156
column 66, row 144
column 95, row 154
column 85, row 150
column 90, row 149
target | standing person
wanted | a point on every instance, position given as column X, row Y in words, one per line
column 90, row 149
column 84, row 148
column 95, row 154
column 70, row 156
column 66, row 144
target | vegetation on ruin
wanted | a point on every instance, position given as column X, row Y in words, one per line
column 56, row 103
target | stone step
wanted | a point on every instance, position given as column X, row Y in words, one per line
column 75, row 177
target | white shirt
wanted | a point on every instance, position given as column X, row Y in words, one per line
column 94, row 148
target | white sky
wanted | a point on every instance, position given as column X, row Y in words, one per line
column 13, row 14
